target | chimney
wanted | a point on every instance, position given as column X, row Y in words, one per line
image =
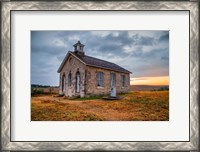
column 78, row 48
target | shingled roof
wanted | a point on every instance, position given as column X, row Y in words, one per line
column 95, row 62
column 91, row 61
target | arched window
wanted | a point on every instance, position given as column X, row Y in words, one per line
column 69, row 79
column 63, row 82
column 70, row 59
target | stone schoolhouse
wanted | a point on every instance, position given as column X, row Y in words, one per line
column 82, row 75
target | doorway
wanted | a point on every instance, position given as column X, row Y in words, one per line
column 63, row 83
column 113, row 79
column 78, row 82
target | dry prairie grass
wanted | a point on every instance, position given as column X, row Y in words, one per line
column 134, row 106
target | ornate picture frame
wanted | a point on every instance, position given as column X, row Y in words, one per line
column 7, row 7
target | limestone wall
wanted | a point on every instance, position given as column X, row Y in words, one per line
column 73, row 65
column 91, row 82
column 88, row 79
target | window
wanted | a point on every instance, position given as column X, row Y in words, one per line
column 63, row 82
column 112, row 79
column 70, row 79
column 123, row 79
column 70, row 59
column 99, row 79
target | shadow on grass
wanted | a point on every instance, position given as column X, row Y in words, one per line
column 86, row 98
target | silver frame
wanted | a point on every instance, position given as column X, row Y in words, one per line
column 7, row 6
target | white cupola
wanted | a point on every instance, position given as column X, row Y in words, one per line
column 78, row 48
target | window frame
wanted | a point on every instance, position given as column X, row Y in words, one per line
column 123, row 80
column 99, row 77
column 70, row 79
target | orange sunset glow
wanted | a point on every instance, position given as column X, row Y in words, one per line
column 161, row 80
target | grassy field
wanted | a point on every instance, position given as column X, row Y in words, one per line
column 134, row 106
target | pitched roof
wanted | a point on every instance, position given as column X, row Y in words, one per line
column 94, row 62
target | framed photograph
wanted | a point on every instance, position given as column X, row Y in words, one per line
column 115, row 75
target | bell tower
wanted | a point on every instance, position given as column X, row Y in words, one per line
column 78, row 48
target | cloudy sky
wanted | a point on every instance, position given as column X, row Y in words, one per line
column 144, row 53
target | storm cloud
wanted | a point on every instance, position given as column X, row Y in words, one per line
column 144, row 53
